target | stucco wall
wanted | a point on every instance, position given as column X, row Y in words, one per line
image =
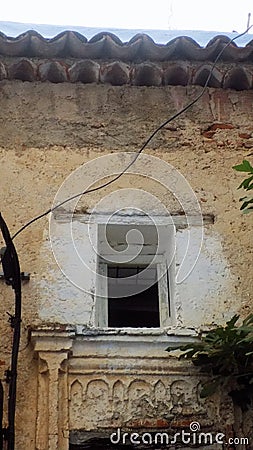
column 49, row 130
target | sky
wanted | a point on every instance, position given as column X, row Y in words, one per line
column 213, row 15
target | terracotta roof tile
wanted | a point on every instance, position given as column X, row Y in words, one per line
column 238, row 78
column 69, row 56
column 24, row 70
column 85, row 71
column 202, row 73
column 52, row 71
column 116, row 73
column 107, row 45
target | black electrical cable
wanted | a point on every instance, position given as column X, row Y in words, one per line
column 173, row 117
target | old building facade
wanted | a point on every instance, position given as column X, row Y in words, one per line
column 72, row 114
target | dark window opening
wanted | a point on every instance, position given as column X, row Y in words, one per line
column 126, row 306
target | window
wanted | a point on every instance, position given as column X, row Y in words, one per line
column 135, row 276
column 128, row 308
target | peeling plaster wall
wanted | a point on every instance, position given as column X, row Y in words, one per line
column 208, row 295
column 49, row 130
column 67, row 292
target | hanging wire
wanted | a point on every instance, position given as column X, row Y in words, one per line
column 152, row 135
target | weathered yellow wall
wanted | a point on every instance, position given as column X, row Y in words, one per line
column 48, row 130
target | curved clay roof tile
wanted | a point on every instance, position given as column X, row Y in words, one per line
column 14, row 47
column 108, row 45
column 238, row 78
column 202, row 74
column 141, row 61
column 220, row 38
column 85, row 71
column 147, row 75
column 53, row 72
column 116, row 73
column 49, row 48
column 182, row 48
column 176, row 75
column 103, row 34
column 23, row 70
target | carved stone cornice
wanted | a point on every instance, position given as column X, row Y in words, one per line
column 52, row 339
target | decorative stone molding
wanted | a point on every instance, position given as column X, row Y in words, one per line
column 90, row 381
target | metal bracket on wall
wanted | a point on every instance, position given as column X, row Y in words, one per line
column 24, row 276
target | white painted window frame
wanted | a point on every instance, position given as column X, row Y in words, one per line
column 166, row 282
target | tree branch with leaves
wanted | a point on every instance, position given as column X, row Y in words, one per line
column 247, row 185
column 225, row 353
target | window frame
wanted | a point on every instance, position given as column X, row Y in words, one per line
column 166, row 281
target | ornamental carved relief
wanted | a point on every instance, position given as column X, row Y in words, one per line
column 97, row 386
column 142, row 401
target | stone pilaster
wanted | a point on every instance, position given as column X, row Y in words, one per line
column 52, row 431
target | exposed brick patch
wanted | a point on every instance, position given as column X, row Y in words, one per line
column 210, row 131
column 245, row 135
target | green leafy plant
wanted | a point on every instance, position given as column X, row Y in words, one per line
column 247, row 185
column 226, row 353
